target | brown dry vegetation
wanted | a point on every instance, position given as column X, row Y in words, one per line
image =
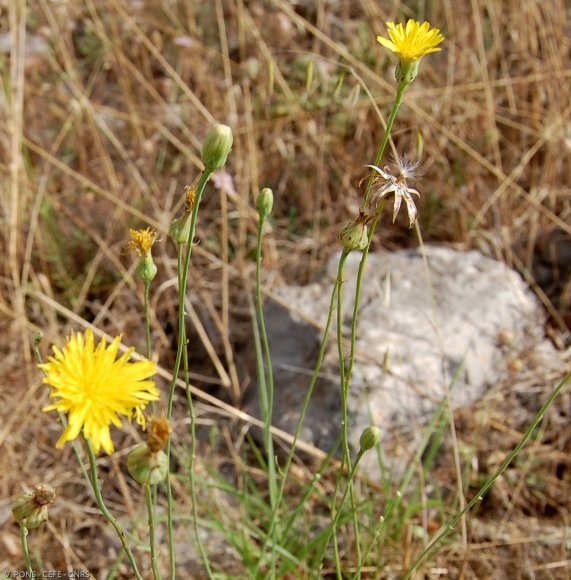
column 104, row 105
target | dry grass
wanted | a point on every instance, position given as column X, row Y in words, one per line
column 104, row 107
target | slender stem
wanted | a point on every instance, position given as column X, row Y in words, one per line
column 392, row 115
column 335, row 521
column 147, row 309
column 303, row 412
column 346, row 455
column 101, row 503
column 268, row 370
column 190, row 471
column 24, row 541
column 152, row 540
column 183, row 276
column 267, row 384
column 449, row 527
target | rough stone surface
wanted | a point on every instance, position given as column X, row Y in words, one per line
column 458, row 325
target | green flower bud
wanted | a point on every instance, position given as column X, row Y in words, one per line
column 355, row 235
column 146, row 467
column 265, row 202
column 216, row 147
column 147, row 270
column 179, row 230
column 31, row 509
column 370, row 438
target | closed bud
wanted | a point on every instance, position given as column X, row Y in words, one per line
column 355, row 235
column 146, row 467
column 31, row 509
column 179, row 230
column 370, row 438
column 265, row 203
column 216, row 147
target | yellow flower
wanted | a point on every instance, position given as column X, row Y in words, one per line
column 413, row 42
column 142, row 241
column 94, row 387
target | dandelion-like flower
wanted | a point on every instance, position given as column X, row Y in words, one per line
column 412, row 42
column 142, row 241
column 93, row 386
column 397, row 185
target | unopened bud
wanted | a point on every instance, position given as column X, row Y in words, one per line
column 146, row 467
column 179, row 230
column 217, row 146
column 31, row 509
column 370, row 438
column 265, row 203
column 355, row 235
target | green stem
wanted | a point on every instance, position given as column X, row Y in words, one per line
column 392, row 115
column 267, row 383
column 183, row 277
column 335, row 521
column 152, row 539
column 449, row 527
column 190, row 405
column 24, row 541
column 147, row 309
column 303, row 412
column 101, row 503
column 346, row 455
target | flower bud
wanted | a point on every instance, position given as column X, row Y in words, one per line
column 265, row 203
column 31, row 509
column 147, row 269
column 146, row 467
column 216, row 147
column 355, row 235
column 370, row 438
column 179, row 229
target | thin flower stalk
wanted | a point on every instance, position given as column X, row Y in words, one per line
column 149, row 500
column 105, row 511
column 25, row 550
column 190, row 471
column 181, row 347
column 335, row 521
column 302, row 414
column 266, row 383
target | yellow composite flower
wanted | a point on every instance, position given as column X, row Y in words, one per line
column 94, row 387
column 414, row 41
column 142, row 241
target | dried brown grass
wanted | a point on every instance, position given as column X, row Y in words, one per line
column 106, row 103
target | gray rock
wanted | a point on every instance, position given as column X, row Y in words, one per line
column 454, row 326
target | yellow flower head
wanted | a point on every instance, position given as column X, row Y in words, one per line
column 94, row 387
column 412, row 42
column 142, row 241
